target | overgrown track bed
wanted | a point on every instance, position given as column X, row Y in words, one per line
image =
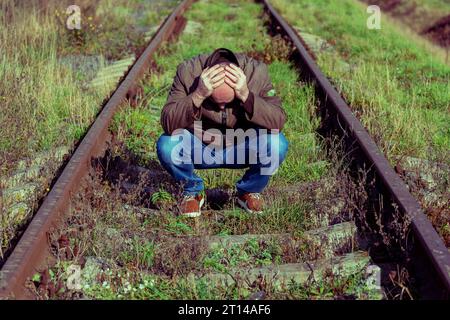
column 346, row 63
column 391, row 79
column 121, row 231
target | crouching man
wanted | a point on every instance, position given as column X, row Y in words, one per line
column 222, row 112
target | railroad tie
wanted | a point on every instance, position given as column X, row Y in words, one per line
column 331, row 240
column 299, row 273
column 112, row 73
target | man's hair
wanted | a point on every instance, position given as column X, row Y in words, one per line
column 221, row 55
column 222, row 63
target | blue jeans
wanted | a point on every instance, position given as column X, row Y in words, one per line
column 183, row 152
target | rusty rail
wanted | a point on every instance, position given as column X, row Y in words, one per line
column 32, row 248
column 394, row 188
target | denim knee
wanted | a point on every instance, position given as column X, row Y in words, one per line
column 283, row 146
column 166, row 143
column 278, row 144
column 164, row 147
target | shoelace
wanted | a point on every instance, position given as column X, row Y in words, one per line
column 256, row 195
column 189, row 197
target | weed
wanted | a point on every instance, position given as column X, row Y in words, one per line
column 162, row 198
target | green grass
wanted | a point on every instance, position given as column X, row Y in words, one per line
column 396, row 83
column 43, row 100
column 40, row 101
column 142, row 287
column 45, row 103
column 398, row 89
column 121, row 285
column 439, row 6
column 442, row 5
column 251, row 254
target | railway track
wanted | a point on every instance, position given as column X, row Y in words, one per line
column 330, row 245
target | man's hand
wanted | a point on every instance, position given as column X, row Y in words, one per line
column 210, row 79
column 235, row 78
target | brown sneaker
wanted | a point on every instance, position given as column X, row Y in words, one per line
column 191, row 206
column 251, row 202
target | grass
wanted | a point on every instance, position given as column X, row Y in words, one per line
column 251, row 254
column 44, row 100
column 392, row 82
column 415, row 17
column 122, row 285
column 47, row 103
column 151, row 254
column 442, row 5
column 137, row 259
column 308, row 206
column 396, row 86
column 41, row 98
column 432, row 10
column 151, row 287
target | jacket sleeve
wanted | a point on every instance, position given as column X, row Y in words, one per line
column 179, row 111
column 261, row 109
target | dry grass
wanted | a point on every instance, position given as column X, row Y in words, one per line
column 40, row 99
column 45, row 98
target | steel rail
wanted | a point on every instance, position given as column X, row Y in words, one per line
column 32, row 247
column 424, row 232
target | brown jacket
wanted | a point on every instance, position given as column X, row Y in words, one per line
column 259, row 110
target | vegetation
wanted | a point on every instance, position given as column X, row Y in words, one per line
column 400, row 92
column 431, row 9
column 396, row 86
column 45, row 98
column 152, row 253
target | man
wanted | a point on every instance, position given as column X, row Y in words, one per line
column 214, row 100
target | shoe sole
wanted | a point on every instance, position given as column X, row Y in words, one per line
column 244, row 206
column 196, row 213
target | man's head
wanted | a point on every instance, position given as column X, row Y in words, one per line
column 224, row 93
column 222, row 56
